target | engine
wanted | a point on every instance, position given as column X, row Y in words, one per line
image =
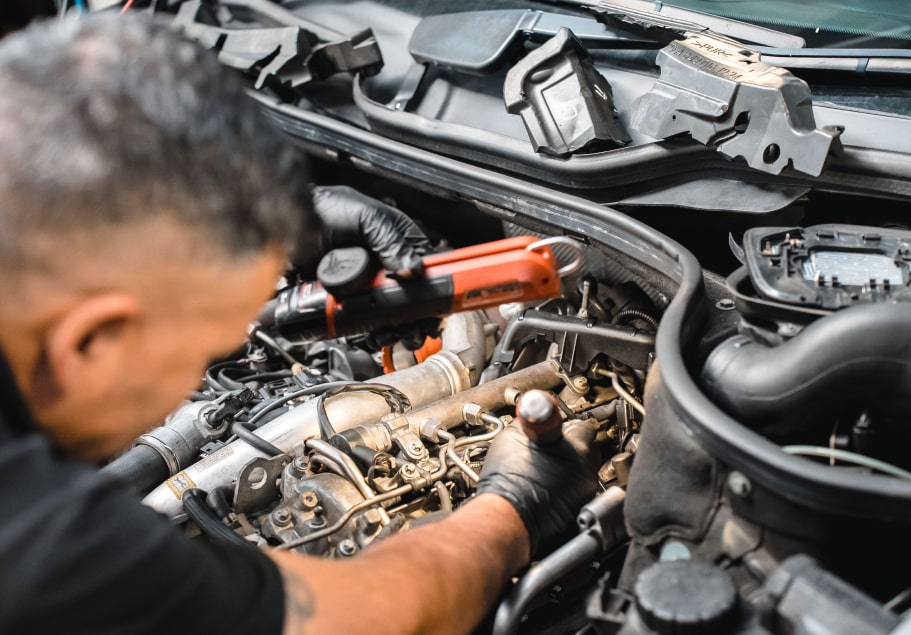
column 742, row 455
column 327, row 446
column 746, row 459
column 740, row 351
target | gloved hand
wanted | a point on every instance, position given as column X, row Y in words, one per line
column 547, row 485
column 354, row 219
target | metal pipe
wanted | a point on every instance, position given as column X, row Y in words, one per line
column 622, row 391
column 601, row 521
column 487, row 436
column 329, row 464
column 583, row 548
column 350, row 469
column 345, row 462
column 449, row 411
column 454, row 458
column 344, row 518
column 375, row 500
column 444, row 496
column 278, row 348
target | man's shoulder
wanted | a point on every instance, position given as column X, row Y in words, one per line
column 45, row 494
column 74, row 543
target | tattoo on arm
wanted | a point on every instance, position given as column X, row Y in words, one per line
column 299, row 603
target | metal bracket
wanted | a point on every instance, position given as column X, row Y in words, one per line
column 257, row 484
column 725, row 97
column 579, row 341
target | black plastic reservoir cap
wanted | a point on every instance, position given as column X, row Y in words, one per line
column 345, row 271
column 684, row 596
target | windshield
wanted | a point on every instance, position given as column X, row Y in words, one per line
column 822, row 23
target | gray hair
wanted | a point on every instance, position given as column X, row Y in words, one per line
column 107, row 119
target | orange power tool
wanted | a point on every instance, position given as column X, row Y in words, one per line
column 511, row 270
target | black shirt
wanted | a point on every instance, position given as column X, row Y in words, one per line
column 79, row 554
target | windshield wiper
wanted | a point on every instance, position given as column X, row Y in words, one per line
column 656, row 13
column 859, row 61
column 480, row 42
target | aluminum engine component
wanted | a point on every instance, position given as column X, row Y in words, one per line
column 182, row 434
column 492, row 395
column 450, row 371
column 720, row 93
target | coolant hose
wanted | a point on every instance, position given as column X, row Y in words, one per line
column 857, row 354
column 194, row 503
column 141, row 468
column 217, row 500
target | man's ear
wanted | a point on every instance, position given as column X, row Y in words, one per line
column 86, row 348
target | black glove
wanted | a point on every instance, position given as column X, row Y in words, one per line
column 354, row 219
column 547, row 485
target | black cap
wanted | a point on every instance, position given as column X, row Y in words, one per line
column 685, row 596
column 345, row 271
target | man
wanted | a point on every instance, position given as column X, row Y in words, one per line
column 145, row 215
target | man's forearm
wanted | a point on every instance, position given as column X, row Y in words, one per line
column 439, row 578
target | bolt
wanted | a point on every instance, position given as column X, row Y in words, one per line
column 739, row 484
column 373, row 517
column 606, row 473
column 429, row 429
column 318, row 519
column 281, row 517
column 257, row 355
column 580, row 384
column 583, row 305
column 415, row 447
column 309, row 500
column 347, row 547
column 725, row 304
column 409, row 470
column 788, row 329
column 472, row 412
column 301, row 463
column 673, row 550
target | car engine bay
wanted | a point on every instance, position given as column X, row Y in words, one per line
column 729, row 258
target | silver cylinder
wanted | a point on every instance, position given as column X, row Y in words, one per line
column 183, row 433
column 492, row 396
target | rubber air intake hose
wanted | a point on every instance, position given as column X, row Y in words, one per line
column 141, row 469
column 194, row 503
column 857, row 354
